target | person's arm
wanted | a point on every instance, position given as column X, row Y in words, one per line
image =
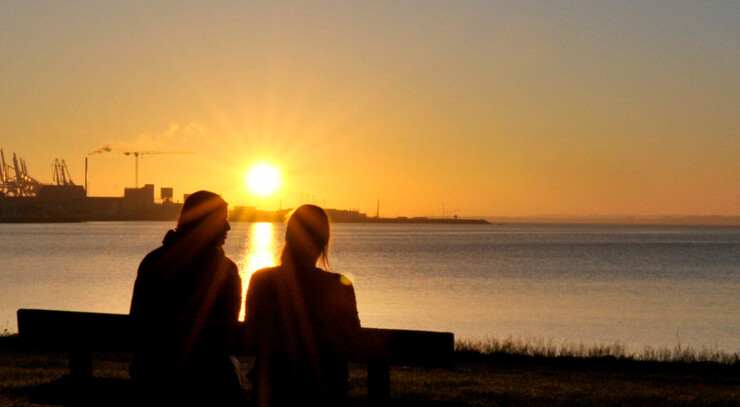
column 348, row 321
column 234, row 293
column 138, row 298
column 227, row 307
column 353, row 317
column 251, row 310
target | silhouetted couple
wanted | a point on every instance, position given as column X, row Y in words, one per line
column 303, row 319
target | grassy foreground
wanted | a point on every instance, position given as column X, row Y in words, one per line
column 488, row 373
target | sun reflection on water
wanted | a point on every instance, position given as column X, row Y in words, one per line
column 262, row 249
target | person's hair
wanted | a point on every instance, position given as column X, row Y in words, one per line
column 200, row 209
column 307, row 237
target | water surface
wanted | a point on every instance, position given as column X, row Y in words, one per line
column 640, row 286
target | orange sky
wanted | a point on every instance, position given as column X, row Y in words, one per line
column 474, row 108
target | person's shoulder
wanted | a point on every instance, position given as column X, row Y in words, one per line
column 231, row 270
column 339, row 291
column 264, row 279
column 152, row 266
column 337, row 278
column 153, row 257
column 268, row 270
column 230, row 263
column 266, row 273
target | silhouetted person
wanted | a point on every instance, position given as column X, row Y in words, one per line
column 188, row 278
column 304, row 319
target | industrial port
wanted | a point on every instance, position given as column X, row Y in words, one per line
column 23, row 199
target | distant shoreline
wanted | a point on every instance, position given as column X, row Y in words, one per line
column 447, row 221
column 70, row 203
column 709, row 220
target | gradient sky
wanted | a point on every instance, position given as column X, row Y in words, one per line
column 481, row 108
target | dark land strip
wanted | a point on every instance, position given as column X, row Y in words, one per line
column 474, row 380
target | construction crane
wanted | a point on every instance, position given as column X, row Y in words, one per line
column 61, row 173
column 136, row 155
column 4, row 177
column 19, row 185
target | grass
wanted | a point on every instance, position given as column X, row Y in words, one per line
column 489, row 372
column 540, row 347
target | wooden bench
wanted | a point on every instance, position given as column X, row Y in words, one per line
column 81, row 333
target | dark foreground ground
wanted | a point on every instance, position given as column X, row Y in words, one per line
column 474, row 380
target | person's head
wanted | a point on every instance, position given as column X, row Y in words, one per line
column 204, row 215
column 307, row 237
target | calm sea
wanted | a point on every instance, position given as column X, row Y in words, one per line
column 640, row 286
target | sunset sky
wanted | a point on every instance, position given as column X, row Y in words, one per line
column 476, row 108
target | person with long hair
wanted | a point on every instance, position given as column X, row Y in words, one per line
column 304, row 320
column 181, row 288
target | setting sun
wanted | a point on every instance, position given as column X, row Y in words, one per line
column 263, row 179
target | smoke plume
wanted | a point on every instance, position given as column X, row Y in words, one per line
column 105, row 149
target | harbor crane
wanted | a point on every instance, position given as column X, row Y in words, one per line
column 61, row 173
column 136, row 155
column 15, row 178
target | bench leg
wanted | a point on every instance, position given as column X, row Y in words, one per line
column 378, row 383
column 80, row 364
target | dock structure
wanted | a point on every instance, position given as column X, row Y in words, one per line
column 23, row 199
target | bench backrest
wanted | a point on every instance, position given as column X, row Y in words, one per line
column 70, row 330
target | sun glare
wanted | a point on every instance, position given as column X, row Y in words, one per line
column 263, row 179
